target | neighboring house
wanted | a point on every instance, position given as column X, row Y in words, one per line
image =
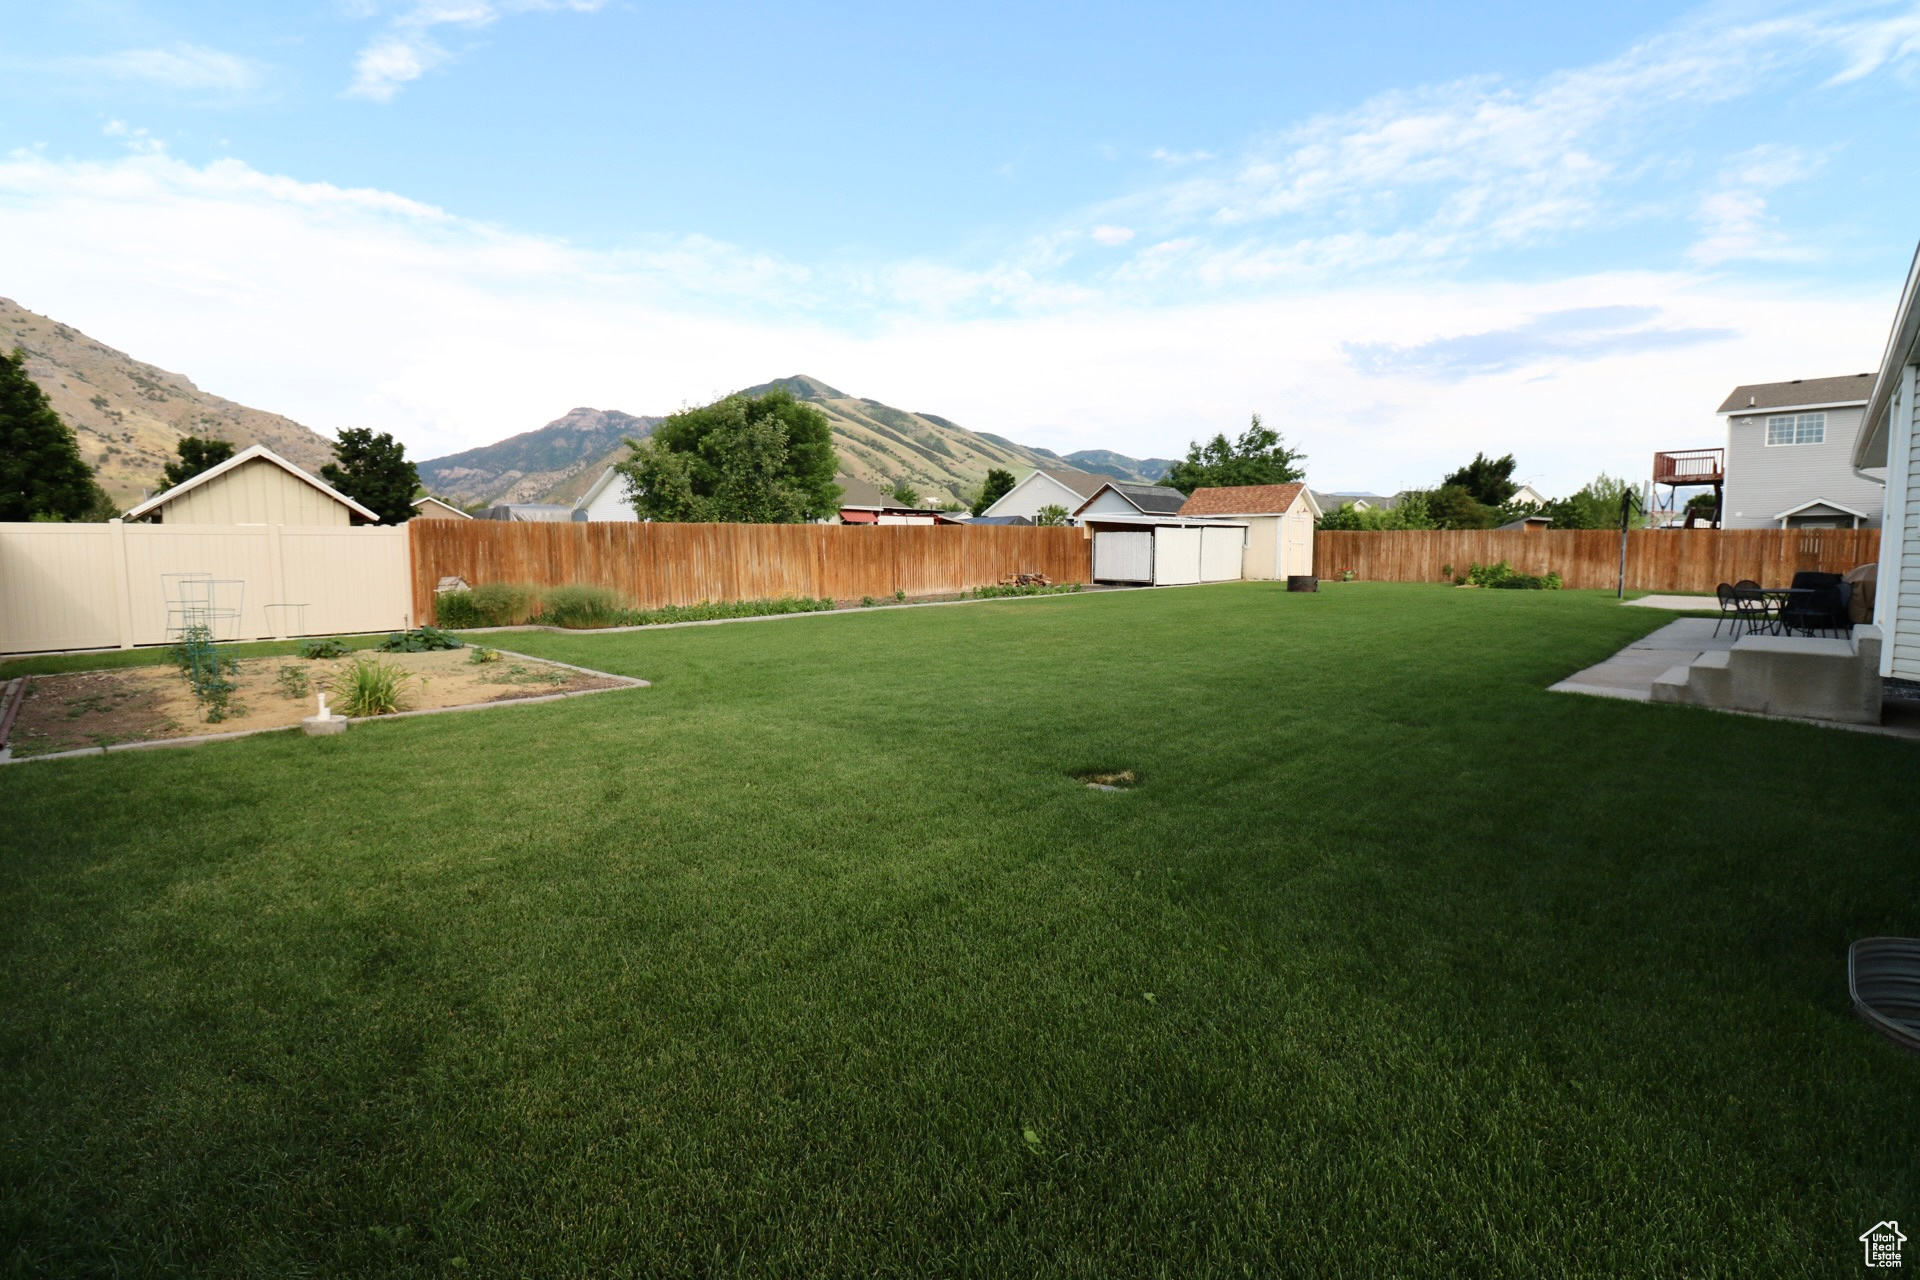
column 1525, row 524
column 862, row 503
column 529, row 512
column 1790, row 456
column 1045, row 488
column 1358, row 501
column 610, row 498
column 1279, row 520
column 1891, row 439
column 254, row 486
column 1117, row 498
column 432, row 508
column 1528, row 496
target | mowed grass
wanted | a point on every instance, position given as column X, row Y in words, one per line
column 813, row 960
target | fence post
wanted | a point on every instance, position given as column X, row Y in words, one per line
column 122, row 583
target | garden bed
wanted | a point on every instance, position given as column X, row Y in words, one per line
column 146, row 704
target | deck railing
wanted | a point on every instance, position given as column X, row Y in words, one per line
column 1690, row 466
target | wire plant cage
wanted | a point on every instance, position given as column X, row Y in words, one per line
column 203, row 610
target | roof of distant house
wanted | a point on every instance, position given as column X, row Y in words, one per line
column 1524, row 522
column 1801, row 392
column 1079, row 481
column 1242, row 500
column 1147, row 499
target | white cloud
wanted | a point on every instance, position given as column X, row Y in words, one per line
column 185, row 67
column 1165, row 156
column 340, row 306
column 407, row 49
column 1111, row 235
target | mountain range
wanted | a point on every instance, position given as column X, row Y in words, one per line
column 129, row 416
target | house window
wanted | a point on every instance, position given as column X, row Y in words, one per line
column 1797, row 428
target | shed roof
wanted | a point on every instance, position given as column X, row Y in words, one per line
column 439, row 502
column 238, row 460
column 1243, row 500
column 1853, row 388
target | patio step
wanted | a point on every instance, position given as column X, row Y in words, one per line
column 1784, row 675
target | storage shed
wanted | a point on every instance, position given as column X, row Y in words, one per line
column 254, row 486
column 1166, row 551
column 432, row 508
column 1279, row 520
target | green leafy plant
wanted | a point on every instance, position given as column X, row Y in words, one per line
column 419, row 640
column 867, row 602
column 293, row 682
column 1348, row 575
column 330, row 647
column 456, row 609
column 481, row 656
column 1489, row 575
column 1028, row 589
column 713, row 610
column 1051, row 515
column 370, row 687
column 503, row 604
column 580, row 606
column 1529, row 582
column 899, row 597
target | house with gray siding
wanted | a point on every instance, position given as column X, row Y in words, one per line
column 1892, row 440
column 1790, row 449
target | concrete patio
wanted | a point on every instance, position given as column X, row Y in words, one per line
column 1632, row 673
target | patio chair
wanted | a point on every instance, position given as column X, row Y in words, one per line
column 1755, row 615
column 1729, row 608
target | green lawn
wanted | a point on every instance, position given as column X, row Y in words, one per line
column 1395, row 964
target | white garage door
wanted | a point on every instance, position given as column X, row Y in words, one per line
column 1176, row 556
column 1221, row 553
column 1123, row 557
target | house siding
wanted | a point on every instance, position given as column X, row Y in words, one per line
column 256, row 492
column 1037, row 490
column 1900, row 608
column 612, row 503
column 1108, row 503
column 1764, row 480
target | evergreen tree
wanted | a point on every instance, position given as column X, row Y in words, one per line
column 42, row 475
column 1488, row 481
column 373, row 470
column 197, row 454
column 1257, row 457
column 998, row 484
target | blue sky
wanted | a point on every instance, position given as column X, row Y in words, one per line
column 1401, row 233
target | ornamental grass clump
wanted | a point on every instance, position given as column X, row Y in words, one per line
column 370, row 687
column 579, row 605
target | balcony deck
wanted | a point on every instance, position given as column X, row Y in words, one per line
column 1690, row 466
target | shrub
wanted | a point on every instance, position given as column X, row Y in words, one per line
column 710, row 610
column 418, row 640
column 456, row 609
column 503, row 604
column 1028, row 589
column 580, row 606
column 1528, row 582
column 370, row 687
column 867, row 602
column 331, row 647
column 482, row 655
column 1489, row 575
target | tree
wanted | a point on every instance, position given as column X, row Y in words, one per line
column 1488, row 481
column 1596, row 505
column 373, row 470
column 1051, row 514
column 742, row 459
column 42, row 475
column 997, row 485
column 905, row 494
column 1453, row 507
column 197, row 454
column 1410, row 512
column 1257, row 457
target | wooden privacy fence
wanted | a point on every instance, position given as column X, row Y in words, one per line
column 1691, row 560
column 660, row 564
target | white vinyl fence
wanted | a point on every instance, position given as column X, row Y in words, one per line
column 97, row 586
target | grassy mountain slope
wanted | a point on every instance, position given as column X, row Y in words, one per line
column 555, row 463
column 128, row 415
column 1105, row 462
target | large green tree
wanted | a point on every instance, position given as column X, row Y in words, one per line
column 42, row 475
column 1259, row 456
column 1411, row 511
column 742, row 460
column 197, row 454
column 1595, row 505
column 1488, row 481
column 998, row 484
column 372, row 469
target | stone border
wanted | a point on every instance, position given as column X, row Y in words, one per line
column 620, row 683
